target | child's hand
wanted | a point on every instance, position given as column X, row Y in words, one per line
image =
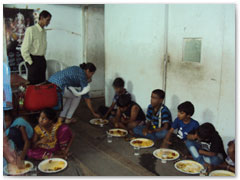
column 116, row 125
column 43, row 140
column 145, row 131
column 165, row 144
column 150, row 131
column 124, row 120
column 96, row 115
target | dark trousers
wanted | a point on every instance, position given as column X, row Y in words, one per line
column 37, row 71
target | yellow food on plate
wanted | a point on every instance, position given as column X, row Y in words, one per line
column 142, row 143
column 13, row 169
column 53, row 165
column 100, row 121
column 165, row 154
column 189, row 167
column 118, row 132
column 221, row 173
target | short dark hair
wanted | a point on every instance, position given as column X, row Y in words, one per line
column 90, row 66
column 186, row 107
column 231, row 142
column 44, row 14
column 51, row 114
column 118, row 83
column 124, row 100
column 8, row 113
column 160, row 93
column 206, row 131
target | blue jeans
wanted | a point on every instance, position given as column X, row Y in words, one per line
column 194, row 148
column 156, row 135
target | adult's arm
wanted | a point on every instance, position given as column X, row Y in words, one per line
column 89, row 104
column 27, row 43
column 85, row 90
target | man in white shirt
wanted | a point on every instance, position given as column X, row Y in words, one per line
column 34, row 48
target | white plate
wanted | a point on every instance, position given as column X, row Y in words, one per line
column 141, row 139
column 117, row 129
column 164, row 149
column 22, row 171
column 194, row 163
column 93, row 121
column 44, row 162
column 222, row 173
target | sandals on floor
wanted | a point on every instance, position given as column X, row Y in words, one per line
column 69, row 121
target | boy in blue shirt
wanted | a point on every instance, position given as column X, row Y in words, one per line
column 183, row 123
column 158, row 119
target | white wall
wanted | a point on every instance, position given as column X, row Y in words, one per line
column 202, row 83
column 62, row 45
column 226, row 118
column 134, row 47
column 95, row 47
column 130, row 31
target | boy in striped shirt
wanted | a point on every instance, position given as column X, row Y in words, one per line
column 158, row 119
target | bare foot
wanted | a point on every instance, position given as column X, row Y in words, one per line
column 72, row 120
column 61, row 119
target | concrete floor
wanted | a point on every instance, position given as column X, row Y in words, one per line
column 93, row 156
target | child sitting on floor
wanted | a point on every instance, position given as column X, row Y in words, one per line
column 19, row 131
column 109, row 112
column 51, row 137
column 208, row 149
column 183, row 123
column 129, row 114
column 229, row 163
column 158, row 119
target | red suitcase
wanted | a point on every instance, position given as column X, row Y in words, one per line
column 38, row 97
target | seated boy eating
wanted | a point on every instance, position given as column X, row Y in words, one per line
column 206, row 146
column 184, row 124
column 118, row 86
column 158, row 119
column 129, row 114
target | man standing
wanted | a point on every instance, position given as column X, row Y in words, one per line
column 34, row 47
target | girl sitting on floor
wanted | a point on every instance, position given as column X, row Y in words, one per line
column 19, row 131
column 51, row 137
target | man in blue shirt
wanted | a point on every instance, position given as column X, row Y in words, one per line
column 158, row 119
column 183, row 123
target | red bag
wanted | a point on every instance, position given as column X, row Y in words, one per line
column 40, row 97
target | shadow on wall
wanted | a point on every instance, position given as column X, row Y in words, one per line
column 130, row 90
column 175, row 101
column 207, row 116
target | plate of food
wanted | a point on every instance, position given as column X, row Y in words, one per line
column 117, row 132
column 221, row 173
column 166, row 154
column 15, row 171
column 52, row 165
column 99, row 122
column 188, row 166
column 142, row 143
